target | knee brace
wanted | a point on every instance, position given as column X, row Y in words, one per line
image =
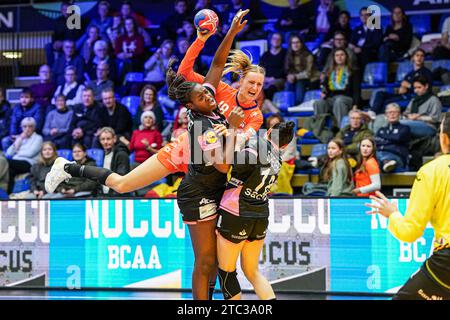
column 229, row 284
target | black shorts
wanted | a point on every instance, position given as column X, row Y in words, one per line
column 237, row 229
column 195, row 208
column 430, row 282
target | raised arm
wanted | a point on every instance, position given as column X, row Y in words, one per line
column 214, row 74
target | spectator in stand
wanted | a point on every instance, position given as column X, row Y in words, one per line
column 77, row 187
column 62, row 33
column 295, row 17
column 365, row 40
column 4, row 172
column 69, row 58
column 115, row 115
column 337, row 171
column 102, row 81
column 102, row 55
column 156, row 65
column 226, row 19
column 339, row 88
column 172, row 26
column 38, row 172
column 85, row 119
column 5, row 115
column 367, row 177
column 343, row 25
column 299, row 68
column 116, row 30
column 87, row 47
column 24, row 152
column 202, row 4
column 442, row 51
column 147, row 140
column 405, row 91
column 189, row 31
column 27, row 108
column 104, row 20
column 180, row 124
column 325, row 57
column 423, row 113
column 116, row 157
column 127, row 12
column 393, row 141
column 273, row 62
column 180, row 52
column 149, row 102
column 71, row 89
column 129, row 48
column 57, row 124
column 44, row 90
column 327, row 14
column 353, row 133
column 397, row 37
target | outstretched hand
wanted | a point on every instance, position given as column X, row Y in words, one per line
column 237, row 25
column 383, row 206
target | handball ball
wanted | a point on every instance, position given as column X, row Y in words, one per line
column 206, row 21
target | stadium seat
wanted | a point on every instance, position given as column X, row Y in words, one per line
column 65, row 153
column 253, row 51
column 319, row 150
column 375, row 74
column 440, row 63
column 345, row 121
column 97, row 155
column 404, row 68
column 21, row 183
column 421, row 24
column 132, row 157
column 284, row 99
column 132, row 103
column 3, row 194
column 134, row 77
column 312, row 95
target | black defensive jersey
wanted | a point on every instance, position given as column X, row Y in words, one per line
column 255, row 170
column 202, row 175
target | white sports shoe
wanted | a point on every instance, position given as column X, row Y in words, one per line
column 56, row 175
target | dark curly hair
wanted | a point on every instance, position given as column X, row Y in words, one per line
column 178, row 88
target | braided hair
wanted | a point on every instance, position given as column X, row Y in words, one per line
column 178, row 88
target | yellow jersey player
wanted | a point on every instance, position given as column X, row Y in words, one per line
column 429, row 203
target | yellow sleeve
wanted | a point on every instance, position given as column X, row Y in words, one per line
column 410, row 227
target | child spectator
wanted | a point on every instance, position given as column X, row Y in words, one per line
column 367, row 174
column 38, row 172
column 77, row 187
column 337, row 171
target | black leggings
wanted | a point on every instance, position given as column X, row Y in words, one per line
column 16, row 167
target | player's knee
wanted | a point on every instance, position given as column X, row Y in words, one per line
column 250, row 273
column 206, row 264
column 229, row 284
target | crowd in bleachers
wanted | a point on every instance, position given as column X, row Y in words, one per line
column 370, row 100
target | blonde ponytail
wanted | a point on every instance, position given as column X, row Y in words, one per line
column 241, row 64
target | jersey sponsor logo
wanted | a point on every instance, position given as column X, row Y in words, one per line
column 207, row 210
column 210, row 137
column 205, row 201
column 243, row 233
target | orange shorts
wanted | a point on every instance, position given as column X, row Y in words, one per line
column 175, row 155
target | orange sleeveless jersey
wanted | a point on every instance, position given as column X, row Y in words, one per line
column 175, row 155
